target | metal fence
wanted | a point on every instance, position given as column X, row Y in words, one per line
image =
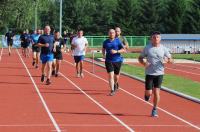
column 134, row 41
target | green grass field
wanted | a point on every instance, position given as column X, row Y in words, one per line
column 186, row 86
column 195, row 57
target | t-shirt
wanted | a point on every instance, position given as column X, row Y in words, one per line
column 80, row 45
column 115, row 44
column 34, row 38
column 155, row 57
column 9, row 36
column 25, row 38
column 43, row 39
column 123, row 40
column 60, row 44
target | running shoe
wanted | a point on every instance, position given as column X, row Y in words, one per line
column 48, row 82
column 116, row 86
column 53, row 73
column 33, row 63
column 82, row 75
column 154, row 113
column 112, row 93
column 42, row 78
column 146, row 98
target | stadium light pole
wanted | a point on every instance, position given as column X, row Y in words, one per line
column 61, row 16
column 35, row 14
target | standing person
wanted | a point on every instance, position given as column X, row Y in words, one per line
column 46, row 43
column 59, row 44
column 112, row 49
column 79, row 44
column 65, row 35
column 9, row 36
column 156, row 54
column 25, row 42
column 35, row 48
column 122, row 38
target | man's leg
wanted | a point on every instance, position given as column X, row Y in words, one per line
column 49, row 69
column 81, row 68
column 43, row 71
column 53, row 67
column 111, row 82
column 34, row 58
column 37, row 59
column 148, row 87
column 58, row 62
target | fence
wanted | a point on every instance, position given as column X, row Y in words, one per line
column 134, row 41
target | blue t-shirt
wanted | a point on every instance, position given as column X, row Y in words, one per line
column 34, row 38
column 108, row 45
column 43, row 39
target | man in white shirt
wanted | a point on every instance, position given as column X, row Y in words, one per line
column 79, row 44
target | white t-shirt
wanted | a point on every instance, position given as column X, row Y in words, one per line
column 80, row 45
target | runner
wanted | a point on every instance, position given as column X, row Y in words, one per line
column 9, row 36
column 59, row 45
column 35, row 48
column 112, row 49
column 46, row 43
column 65, row 35
column 156, row 54
column 122, row 38
column 79, row 44
column 25, row 42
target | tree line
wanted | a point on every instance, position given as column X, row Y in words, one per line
column 95, row 17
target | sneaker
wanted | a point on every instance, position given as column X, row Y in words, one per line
column 9, row 53
column 42, row 78
column 36, row 67
column 146, row 98
column 56, row 75
column 48, row 82
column 116, row 86
column 33, row 63
column 78, row 75
column 154, row 113
column 82, row 76
column 112, row 93
column 53, row 73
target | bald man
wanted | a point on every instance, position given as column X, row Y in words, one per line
column 46, row 42
column 122, row 38
column 112, row 49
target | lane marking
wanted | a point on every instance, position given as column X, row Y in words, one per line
column 183, row 71
column 1, row 54
column 40, row 95
column 97, row 103
column 179, row 118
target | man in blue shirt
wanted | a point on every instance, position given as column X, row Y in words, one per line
column 112, row 49
column 46, row 43
column 9, row 36
column 35, row 48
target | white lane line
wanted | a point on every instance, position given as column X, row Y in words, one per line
column 179, row 118
column 41, row 97
column 183, row 71
column 1, row 54
column 97, row 103
column 87, row 125
column 188, row 66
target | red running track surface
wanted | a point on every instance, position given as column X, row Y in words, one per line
column 83, row 104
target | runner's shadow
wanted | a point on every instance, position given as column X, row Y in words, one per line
column 71, row 93
column 87, row 113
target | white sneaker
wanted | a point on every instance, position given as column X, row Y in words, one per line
column 78, row 75
column 82, row 76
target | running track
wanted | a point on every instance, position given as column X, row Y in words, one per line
column 75, row 104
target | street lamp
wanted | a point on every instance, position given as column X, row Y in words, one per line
column 61, row 16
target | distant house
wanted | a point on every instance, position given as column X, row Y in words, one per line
column 181, row 43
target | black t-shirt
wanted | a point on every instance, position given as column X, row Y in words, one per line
column 25, row 38
column 43, row 39
column 60, row 45
column 9, row 36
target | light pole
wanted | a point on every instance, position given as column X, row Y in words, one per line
column 61, row 16
column 35, row 14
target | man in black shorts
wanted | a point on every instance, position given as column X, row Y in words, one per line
column 9, row 36
column 59, row 45
column 112, row 49
column 155, row 54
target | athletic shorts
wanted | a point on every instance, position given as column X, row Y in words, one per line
column 113, row 66
column 10, row 43
column 46, row 58
column 153, row 81
column 35, row 48
column 77, row 59
column 25, row 45
column 58, row 56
